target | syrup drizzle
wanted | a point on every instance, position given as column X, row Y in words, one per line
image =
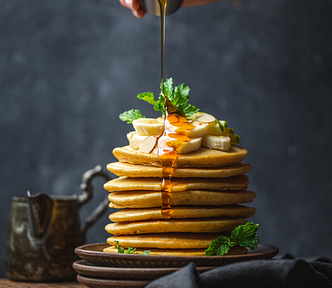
column 163, row 6
column 173, row 135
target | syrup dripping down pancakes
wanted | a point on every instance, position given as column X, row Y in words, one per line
column 176, row 203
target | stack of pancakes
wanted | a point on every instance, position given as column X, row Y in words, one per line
column 207, row 192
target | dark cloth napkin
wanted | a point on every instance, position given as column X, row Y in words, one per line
column 280, row 272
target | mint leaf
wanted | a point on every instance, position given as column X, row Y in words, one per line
column 131, row 115
column 168, row 88
column 178, row 96
column 146, row 252
column 189, row 110
column 245, row 235
column 219, row 246
column 160, row 104
column 181, row 95
column 148, row 97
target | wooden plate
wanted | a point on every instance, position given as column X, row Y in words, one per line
column 94, row 254
column 90, row 270
column 106, row 283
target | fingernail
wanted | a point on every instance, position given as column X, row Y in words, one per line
column 129, row 4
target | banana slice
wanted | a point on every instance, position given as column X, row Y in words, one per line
column 200, row 129
column 149, row 126
column 205, row 117
column 130, row 135
column 193, row 145
column 217, row 142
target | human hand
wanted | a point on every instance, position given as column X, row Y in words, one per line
column 139, row 12
column 134, row 6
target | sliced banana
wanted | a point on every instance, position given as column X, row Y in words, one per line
column 130, row 135
column 149, row 126
column 217, row 142
column 200, row 129
column 215, row 128
column 205, row 117
column 193, row 145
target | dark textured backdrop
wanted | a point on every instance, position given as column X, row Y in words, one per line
column 69, row 67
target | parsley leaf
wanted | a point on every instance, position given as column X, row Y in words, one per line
column 130, row 250
column 243, row 235
column 120, row 249
column 131, row 115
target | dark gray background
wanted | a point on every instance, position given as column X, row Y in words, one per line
column 69, row 67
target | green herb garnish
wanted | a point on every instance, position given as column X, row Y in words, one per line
column 131, row 115
column 178, row 96
column 243, row 235
column 130, row 250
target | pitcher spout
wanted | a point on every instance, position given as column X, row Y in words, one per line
column 40, row 206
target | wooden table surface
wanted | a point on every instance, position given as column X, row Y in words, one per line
column 16, row 284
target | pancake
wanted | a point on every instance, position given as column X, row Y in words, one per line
column 180, row 212
column 236, row 250
column 125, row 169
column 202, row 158
column 146, row 199
column 165, row 241
column 208, row 225
column 240, row 182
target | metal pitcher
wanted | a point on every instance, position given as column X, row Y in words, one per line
column 44, row 230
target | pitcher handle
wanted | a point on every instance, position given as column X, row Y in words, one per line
column 87, row 178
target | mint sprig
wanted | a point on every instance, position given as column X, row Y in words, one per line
column 243, row 235
column 130, row 250
column 131, row 115
column 178, row 96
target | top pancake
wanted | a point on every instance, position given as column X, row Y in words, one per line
column 202, row 158
column 125, row 169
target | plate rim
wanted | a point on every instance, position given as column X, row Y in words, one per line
column 83, row 250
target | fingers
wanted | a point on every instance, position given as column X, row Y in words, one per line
column 134, row 6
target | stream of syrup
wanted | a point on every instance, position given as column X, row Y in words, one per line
column 163, row 6
column 173, row 135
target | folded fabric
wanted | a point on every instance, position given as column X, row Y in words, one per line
column 277, row 273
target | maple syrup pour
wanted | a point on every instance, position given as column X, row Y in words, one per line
column 163, row 5
column 168, row 144
column 174, row 130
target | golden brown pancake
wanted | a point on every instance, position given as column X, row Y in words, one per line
column 208, row 225
column 236, row 250
column 240, row 182
column 204, row 157
column 125, row 169
column 180, row 212
column 146, row 199
column 165, row 240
